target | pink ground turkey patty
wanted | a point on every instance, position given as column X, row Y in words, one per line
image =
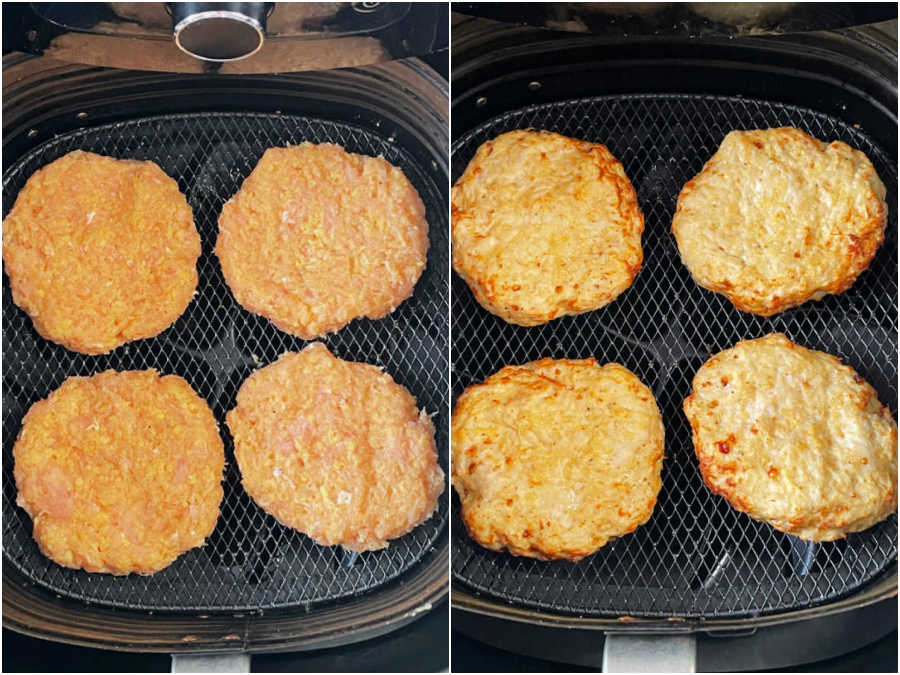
column 101, row 251
column 120, row 472
column 335, row 449
column 317, row 237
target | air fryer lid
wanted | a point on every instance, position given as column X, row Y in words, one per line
column 227, row 37
column 683, row 19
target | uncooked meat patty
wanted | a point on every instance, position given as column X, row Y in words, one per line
column 555, row 458
column 335, row 449
column 120, row 472
column 100, row 251
column 545, row 226
column 777, row 218
column 317, row 237
column 794, row 438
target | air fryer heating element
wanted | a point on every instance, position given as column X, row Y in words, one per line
column 250, row 562
column 696, row 557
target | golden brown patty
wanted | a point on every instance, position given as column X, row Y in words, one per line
column 100, row 251
column 317, row 237
column 120, row 472
column 335, row 449
column 555, row 458
column 545, row 226
column 777, row 218
column 791, row 437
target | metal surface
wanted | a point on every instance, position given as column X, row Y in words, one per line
column 689, row 19
column 696, row 557
column 649, row 653
column 210, row 663
column 755, row 648
column 285, row 19
column 250, row 562
column 219, row 31
column 298, row 36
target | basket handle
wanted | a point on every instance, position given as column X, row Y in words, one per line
column 630, row 653
column 237, row 662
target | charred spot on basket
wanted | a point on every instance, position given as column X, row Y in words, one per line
column 857, row 378
column 724, row 381
column 773, row 472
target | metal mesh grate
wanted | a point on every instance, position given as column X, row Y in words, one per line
column 250, row 561
column 696, row 556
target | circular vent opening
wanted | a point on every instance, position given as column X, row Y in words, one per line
column 219, row 35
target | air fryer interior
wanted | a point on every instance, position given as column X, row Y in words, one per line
column 662, row 105
column 255, row 585
column 270, row 38
column 696, row 557
column 250, row 561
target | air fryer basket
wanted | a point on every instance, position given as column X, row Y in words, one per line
column 696, row 557
column 255, row 585
column 250, row 561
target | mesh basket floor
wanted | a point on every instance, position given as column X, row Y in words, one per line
column 696, row 556
column 250, row 561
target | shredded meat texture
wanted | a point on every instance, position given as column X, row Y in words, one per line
column 555, row 458
column 120, row 472
column 545, row 226
column 101, row 251
column 777, row 218
column 317, row 237
column 794, row 438
column 335, row 449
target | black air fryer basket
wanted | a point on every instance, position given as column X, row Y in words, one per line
column 662, row 105
column 256, row 585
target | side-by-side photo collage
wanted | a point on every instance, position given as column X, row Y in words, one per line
column 422, row 337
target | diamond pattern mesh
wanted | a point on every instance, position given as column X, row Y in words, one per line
column 696, row 556
column 250, row 561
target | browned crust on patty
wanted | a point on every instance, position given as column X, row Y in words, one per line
column 777, row 218
column 553, row 459
column 545, row 226
column 792, row 437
